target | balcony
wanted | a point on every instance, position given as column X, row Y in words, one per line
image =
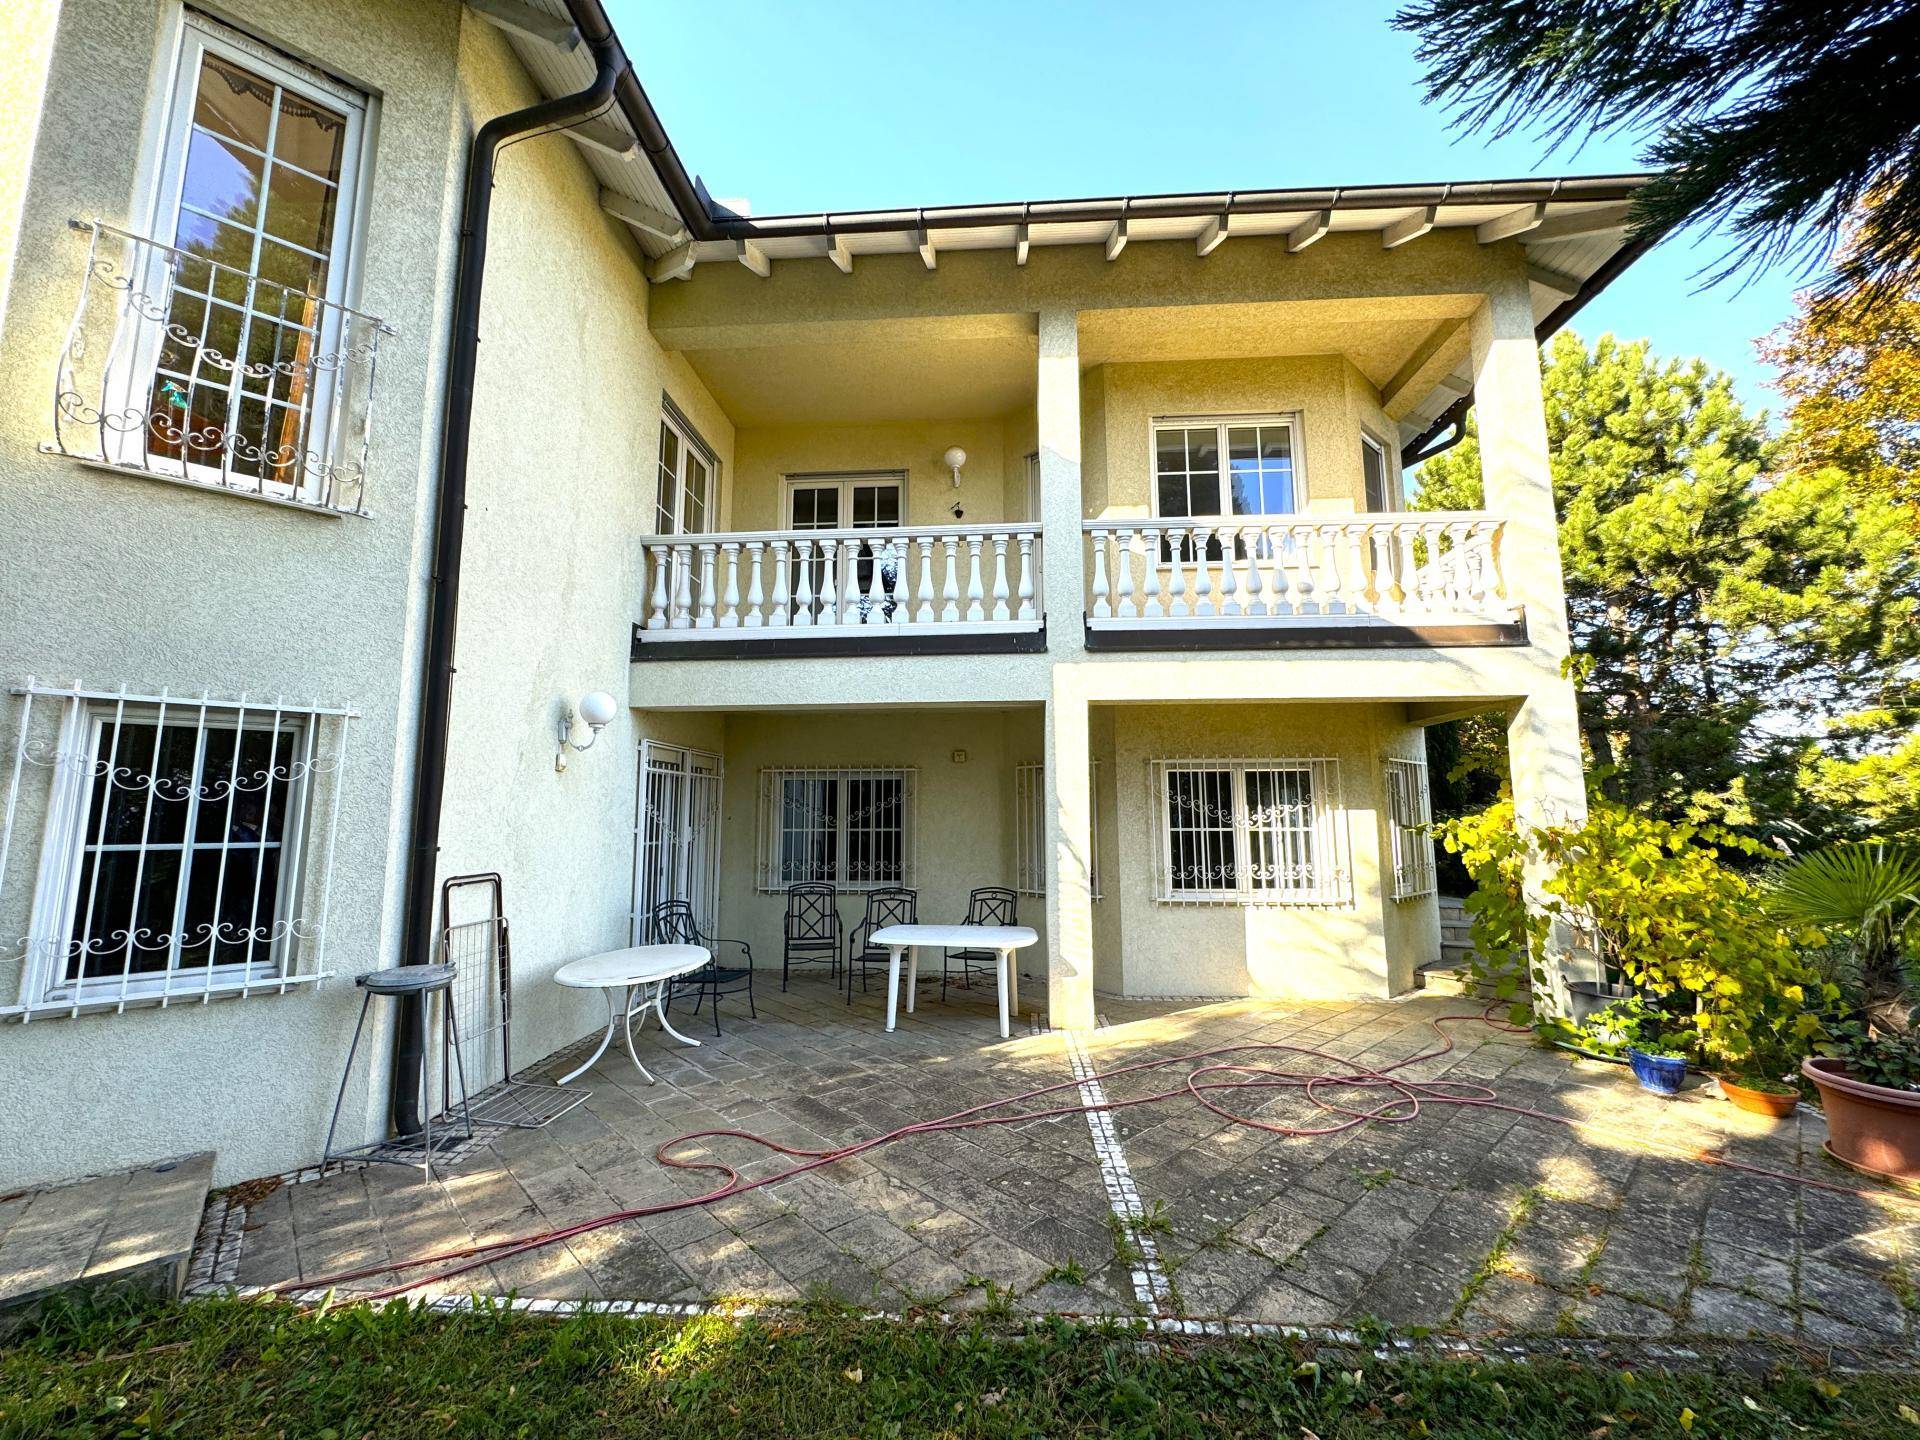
column 1365, row 579
column 917, row 589
column 182, row 368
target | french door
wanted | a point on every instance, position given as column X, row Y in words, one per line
column 676, row 844
column 866, row 501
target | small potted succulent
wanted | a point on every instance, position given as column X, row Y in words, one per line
column 1639, row 1032
column 1869, row 1084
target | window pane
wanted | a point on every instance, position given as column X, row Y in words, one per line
column 1261, row 461
column 229, row 904
column 232, row 103
column 222, row 179
column 1280, row 830
column 253, row 808
column 228, row 246
column 123, row 921
column 310, row 135
column 693, row 514
column 809, row 829
column 669, row 483
column 300, row 208
column 875, row 851
column 1203, row 471
column 1200, row 830
column 285, row 266
column 1373, row 462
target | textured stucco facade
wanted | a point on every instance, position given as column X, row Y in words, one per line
column 114, row 579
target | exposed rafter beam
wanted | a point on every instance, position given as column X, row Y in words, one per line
column 1022, row 242
column 676, row 264
column 1117, row 238
column 1514, row 222
column 643, row 217
column 527, row 22
column 1454, row 385
column 1412, row 227
column 1416, row 379
column 923, row 242
column 1576, row 227
column 1212, row 233
column 840, row 255
column 753, row 257
column 1309, row 230
column 607, row 139
column 1553, row 280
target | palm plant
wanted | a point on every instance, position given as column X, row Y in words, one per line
column 1867, row 898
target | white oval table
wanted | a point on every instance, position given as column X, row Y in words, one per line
column 629, row 971
column 1003, row 940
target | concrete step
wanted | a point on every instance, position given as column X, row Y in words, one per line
column 1445, row 977
column 132, row 1230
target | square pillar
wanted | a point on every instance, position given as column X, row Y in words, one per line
column 1549, row 788
column 1069, row 858
column 1510, row 411
column 1057, row 403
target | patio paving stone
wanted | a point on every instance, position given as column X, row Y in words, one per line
column 1468, row 1218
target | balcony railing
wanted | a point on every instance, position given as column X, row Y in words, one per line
column 923, row 580
column 1439, row 567
column 191, row 370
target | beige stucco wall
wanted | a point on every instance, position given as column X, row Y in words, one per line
column 1310, row 951
column 963, row 824
column 557, row 493
column 110, row 579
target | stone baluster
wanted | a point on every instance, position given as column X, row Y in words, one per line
column 1123, row 560
column 1101, row 607
column 850, row 579
column 1403, row 538
column 730, row 595
column 950, row 583
column 682, row 587
column 1152, row 606
column 1176, row 572
column 1026, row 610
column 782, row 590
column 657, row 563
column 1290, row 556
column 976, row 591
column 923, row 612
column 803, row 569
column 1001, row 592
column 756, row 598
column 1231, row 537
column 873, row 601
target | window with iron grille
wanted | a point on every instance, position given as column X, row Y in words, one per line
column 676, row 834
column 851, row 828
column 1409, row 829
column 1030, row 867
column 1250, row 832
column 187, row 846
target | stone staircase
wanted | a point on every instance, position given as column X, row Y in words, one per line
column 1450, row 973
column 133, row 1230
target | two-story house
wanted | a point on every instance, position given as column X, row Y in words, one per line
column 1054, row 545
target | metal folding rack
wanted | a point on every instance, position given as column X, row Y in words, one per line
column 474, row 939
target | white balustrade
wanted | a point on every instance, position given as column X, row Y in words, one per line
column 1434, row 567
column 924, row 579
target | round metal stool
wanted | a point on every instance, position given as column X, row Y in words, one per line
column 416, row 983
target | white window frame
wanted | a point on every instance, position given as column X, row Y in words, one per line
column 773, row 876
column 1033, row 487
column 170, row 134
column 690, row 443
column 1030, row 869
column 289, row 925
column 846, row 481
column 1390, row 482
column 1325, row 879
column 1296, row 432
column 1409, row 829
column 683, row 854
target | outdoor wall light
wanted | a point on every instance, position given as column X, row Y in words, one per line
column 953, row 460
column 597, row 708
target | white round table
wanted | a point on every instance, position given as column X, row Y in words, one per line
column 1003, row 940
column 630, row 972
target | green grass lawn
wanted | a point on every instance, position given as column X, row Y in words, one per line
column 227, row 1369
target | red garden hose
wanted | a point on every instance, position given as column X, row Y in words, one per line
column 1402, row 1102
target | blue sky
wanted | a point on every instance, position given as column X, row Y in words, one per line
column 857, row 104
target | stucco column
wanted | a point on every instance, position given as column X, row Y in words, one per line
column 1069, row 852
column 1057, row 402
column 1543, row 758
column 1514, row 468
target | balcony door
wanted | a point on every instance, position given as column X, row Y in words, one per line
column 869, row 500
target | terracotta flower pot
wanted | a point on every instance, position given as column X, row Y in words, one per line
column 1870, row 1127
column 1778, row 1104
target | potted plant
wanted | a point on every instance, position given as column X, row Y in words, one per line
column 1869, row 1085
column 1760, row 1094
column 1645, row 1035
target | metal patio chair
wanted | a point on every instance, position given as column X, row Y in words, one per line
column 891, row 905
column 671, row 923
column 812, row 932
column 987, row 905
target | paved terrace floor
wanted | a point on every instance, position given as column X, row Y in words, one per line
column 1472, row 1220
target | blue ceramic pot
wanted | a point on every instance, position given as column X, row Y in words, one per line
column 1661, row 1074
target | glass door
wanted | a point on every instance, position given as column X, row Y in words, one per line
column 851, row 502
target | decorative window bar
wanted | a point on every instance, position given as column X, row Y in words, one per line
column 921, row 580
column 186, row 847
column 676, row 836
column 186, row 369
column 850, row 828
column 1030, row 867
column 1250, row 832
column 1410, row 829
column 1421, row 568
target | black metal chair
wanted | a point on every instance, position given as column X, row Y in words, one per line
column 892, row 905
column 672, row 923
column 812, row 928
column 988, row 905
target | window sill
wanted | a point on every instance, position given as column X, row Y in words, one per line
column 182, row 994
column 140, row 472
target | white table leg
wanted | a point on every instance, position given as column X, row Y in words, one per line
column 893, row 982
column 613, row 1019
column 1005, row 966
column 627, row 1008
column 1013, row 972
column 913, row 976
column 660, row 1009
